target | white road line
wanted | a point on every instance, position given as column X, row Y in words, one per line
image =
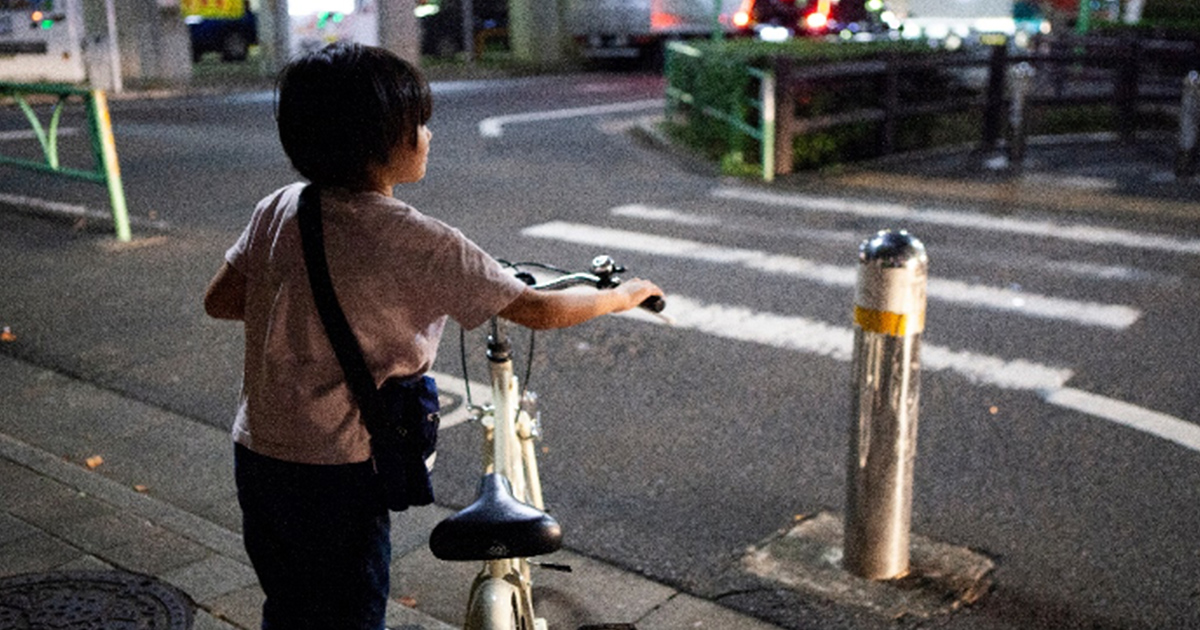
column 1047, row 229
column 623, row 125
column 1115, row 317
column 455, row 385
column 36, row 205
column 28, row 134
column 1145, row 420
column 671, row 215
column 1081, row 182
column 655, row 213
column 45, row 205
column 813, row 337
column 494, row 127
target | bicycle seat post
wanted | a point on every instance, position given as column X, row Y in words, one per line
column 499, row 350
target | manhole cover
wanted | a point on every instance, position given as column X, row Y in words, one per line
column 92, row 600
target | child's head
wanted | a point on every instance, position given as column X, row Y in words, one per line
column 343, row 109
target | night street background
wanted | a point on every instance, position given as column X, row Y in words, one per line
column 670, row 450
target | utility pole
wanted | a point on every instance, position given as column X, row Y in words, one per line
column 535, row 31
column 398, row 29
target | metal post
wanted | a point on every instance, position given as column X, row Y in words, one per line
column 767, row 98
column 114, row 47
column 891, row 104
column 1189, row 126
column 718, row 33
column 993, row 114
column 105, row 149
column 785, row 116
column 889, row 315
column 1083, row 19
column 1125, row 91
column 468, row 31
column 1021, row 82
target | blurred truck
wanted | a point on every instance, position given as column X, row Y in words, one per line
column 940, row 18
column 632, row 29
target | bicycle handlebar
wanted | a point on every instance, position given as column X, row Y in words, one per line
column 603, row 275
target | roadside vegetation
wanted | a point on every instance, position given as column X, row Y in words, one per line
column 716, row 85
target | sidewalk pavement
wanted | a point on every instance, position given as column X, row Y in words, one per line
column 95, row 486
column 1096, row 175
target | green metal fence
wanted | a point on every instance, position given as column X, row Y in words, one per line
column 104, row 149
column 725, row 92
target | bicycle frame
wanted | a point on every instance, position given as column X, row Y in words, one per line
column 510, row 440
column 507, row 523
column 501, row 595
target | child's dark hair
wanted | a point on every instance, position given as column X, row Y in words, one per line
column 345, row 107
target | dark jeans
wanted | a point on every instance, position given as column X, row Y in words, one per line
column 318, row 537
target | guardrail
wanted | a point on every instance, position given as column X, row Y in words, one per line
column 1131, row 76
column 736, row 109
column 104, row 149
column 885, row 105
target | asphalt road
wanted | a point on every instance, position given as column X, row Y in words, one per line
column 669, row 450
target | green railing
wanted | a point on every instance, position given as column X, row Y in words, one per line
column 104, row 149
column 726, row 96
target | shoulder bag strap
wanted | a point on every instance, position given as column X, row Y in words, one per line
column 345, row 344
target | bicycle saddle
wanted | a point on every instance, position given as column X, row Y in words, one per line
column 495, row 526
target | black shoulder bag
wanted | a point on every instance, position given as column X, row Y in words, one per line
column 402, row 415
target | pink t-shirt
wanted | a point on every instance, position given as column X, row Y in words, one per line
column 397, row 273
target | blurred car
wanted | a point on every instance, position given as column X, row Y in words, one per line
column 441, row 25
column 778, row 20
column 231, row 37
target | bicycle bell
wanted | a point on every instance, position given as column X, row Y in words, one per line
column 605, row 268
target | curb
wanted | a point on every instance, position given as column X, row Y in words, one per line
column 62, row 515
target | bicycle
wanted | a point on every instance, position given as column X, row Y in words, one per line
column 507, row 523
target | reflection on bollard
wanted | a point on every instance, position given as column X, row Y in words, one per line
column 1020, row 79
column 1189, row 126
column 889, row 315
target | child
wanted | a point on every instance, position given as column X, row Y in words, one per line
column 352, row 120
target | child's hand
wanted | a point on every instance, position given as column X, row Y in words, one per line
column 638, row 291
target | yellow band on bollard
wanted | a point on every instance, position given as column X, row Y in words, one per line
column 886, row 323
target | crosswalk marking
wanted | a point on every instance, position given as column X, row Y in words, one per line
column 815, row 337
column 658, row 214
column 1115, row 317
column 837, row 342
column 1158, row 424
column 1046, row 229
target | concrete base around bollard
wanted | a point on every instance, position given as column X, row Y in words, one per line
column 807, row 558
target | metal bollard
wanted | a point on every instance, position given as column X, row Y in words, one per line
column 889, row 315
column 1189, row 126
column 1021, row 83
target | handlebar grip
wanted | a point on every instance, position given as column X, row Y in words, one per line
column 654, row 304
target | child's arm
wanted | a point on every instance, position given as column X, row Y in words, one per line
column 226, row 294
column 559, row 309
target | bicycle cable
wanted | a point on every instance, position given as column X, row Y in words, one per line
column 462, row 336
column 462, row 355
column 528, row 365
